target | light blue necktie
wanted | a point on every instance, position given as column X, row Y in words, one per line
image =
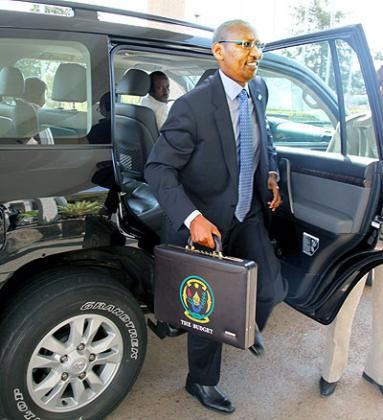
column 246, row 158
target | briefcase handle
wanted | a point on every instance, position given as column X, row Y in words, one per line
column 218, row 246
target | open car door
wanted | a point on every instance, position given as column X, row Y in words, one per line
column 325, row 113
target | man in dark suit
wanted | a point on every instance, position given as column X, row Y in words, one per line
column 213, row 172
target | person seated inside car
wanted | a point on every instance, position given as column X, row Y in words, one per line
column 101, row 132
column 158, row 96
column 34, row 94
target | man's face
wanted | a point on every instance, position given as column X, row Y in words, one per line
column 160, row 89
column 235, row 61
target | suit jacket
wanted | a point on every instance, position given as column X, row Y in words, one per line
column 193, row 165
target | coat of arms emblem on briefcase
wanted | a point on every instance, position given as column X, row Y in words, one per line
column 197, row 299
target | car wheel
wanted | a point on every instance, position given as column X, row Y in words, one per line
column 71, row 347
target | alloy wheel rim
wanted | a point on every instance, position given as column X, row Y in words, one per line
column 74, row 363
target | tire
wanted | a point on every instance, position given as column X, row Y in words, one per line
column 71, row 347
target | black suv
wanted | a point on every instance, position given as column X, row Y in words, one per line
column 78, row 223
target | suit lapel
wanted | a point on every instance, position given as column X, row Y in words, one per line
column 225, row 127
column 257, row 97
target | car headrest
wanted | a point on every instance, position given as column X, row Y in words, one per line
column 11, row 82
column 134, row 82
column 34, row 91
column 69, row 83
column 205, row 75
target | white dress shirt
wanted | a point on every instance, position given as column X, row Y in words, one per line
column 161, row 109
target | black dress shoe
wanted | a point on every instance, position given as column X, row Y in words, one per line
column 369, row 379
column 210, row 396
column 327, row 388
column 258, row 348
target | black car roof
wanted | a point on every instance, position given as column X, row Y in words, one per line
column 85, row 20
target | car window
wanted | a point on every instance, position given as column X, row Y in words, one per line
column 45, row 92
column 294, row 101
column 295, row 114
column 138, row 115
column 303, row 105
column 183, row 72
column 359, row 135
column 302, row 109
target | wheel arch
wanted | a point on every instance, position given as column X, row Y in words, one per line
column 130, row 266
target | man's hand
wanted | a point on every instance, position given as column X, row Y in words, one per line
column 201, row 231
column 273, row 186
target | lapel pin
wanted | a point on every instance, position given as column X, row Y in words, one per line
column 259, row 97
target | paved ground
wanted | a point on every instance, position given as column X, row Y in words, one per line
column 281, row 385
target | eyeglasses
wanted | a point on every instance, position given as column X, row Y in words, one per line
column 245, row 44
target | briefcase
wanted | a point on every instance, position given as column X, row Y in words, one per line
column 206, row 293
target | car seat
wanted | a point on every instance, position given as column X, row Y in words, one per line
column 23, row 124
column 135, row 134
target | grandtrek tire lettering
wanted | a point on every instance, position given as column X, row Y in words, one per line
column 86, row 306
column 22, row 406
column 118, row 312
column 54, row 304
column 18, row 394
column 133, row 333
column 99, row 305
column 125, row 318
